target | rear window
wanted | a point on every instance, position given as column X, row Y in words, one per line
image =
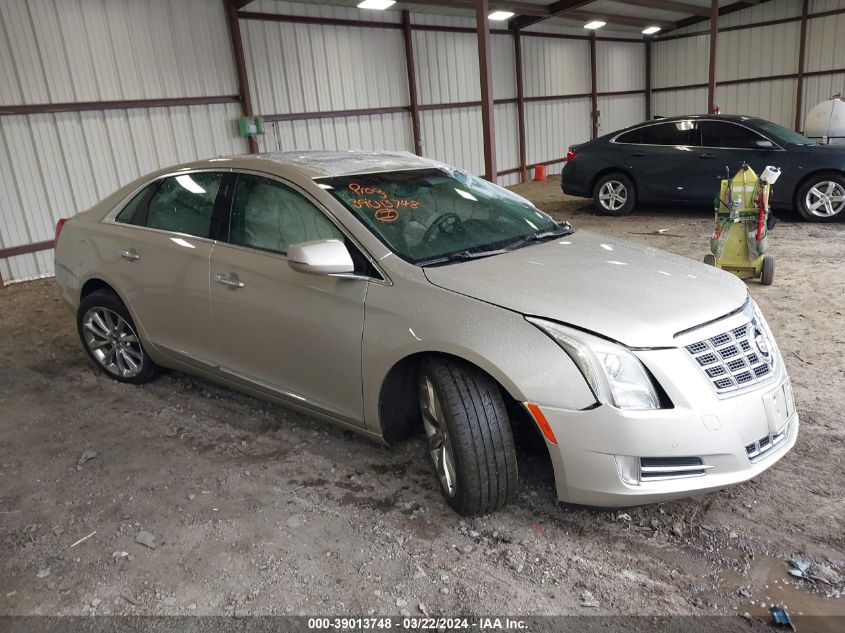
column 185, row 204
column 670, row 133
column 133, row 212
column 629, row 137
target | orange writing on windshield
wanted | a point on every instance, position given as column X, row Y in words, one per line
column 376, row 199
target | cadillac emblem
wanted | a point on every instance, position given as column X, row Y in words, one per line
column 761, row 342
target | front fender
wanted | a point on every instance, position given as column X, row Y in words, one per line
column 415, row 317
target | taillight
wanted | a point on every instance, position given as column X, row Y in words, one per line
column 59, row 226
column 571, row 154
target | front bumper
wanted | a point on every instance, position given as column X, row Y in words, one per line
column 597, row 449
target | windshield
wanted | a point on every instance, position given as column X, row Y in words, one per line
column 782, row 133
column 433, row 215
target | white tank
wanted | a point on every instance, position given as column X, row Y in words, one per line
column 826, row 122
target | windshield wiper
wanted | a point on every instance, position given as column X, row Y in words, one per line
column 563, row 229
column 459, row 256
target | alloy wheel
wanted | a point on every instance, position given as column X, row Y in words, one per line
column 613, row 195
column 112, row 342
column 439, row 443
column 825, row 199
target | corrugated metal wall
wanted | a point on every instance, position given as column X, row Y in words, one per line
column 749, row 53
column 55, row 51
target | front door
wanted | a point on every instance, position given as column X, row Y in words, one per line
column 293, row 334
column 725, row 147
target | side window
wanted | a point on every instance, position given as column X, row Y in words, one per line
column 671, row 133
column 132, row 213
column 632, row 137
column 185, row 203
column 269, row 216
column 729, row 135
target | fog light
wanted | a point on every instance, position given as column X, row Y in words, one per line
column 629, row 469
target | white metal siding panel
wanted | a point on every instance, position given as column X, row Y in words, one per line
column 60, row 51
column 555, row 66
column 620, row 66
column 507, row 138
column 619, row 112
column 504, row 67
column 447, row 67
column 454, row 136
column 377, row 132
column 764, row 12
column 772, row 100
column 680, row 62
column 826, row 43
column 552, row 126
column 757, row 52
column 678, row 102
column 313, row 68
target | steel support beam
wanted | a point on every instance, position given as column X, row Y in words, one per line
column 520, row 105
column 672, row 5
column 714, row 36
column 412, row 81
column 553, row 9
column 240, row 66
column 485, row 66
column 802, row 53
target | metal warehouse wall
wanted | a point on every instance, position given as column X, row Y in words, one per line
column 680, row 66
column 53, row 51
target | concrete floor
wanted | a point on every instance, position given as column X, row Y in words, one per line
column 259, row 510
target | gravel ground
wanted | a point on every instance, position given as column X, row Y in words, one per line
column 255, row 509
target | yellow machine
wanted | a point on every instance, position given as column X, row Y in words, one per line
column 740, row 237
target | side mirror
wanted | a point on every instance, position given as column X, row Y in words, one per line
column 764, row 144
column 321, row 257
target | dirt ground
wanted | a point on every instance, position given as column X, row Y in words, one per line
column 259, row 510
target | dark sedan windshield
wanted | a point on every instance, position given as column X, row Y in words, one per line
column 429, row 216
column 782, row 133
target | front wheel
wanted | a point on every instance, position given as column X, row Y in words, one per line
column 470, row 444
column 822, row 198
column 614, row 194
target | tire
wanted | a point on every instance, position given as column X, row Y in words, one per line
column 470, row 443
column 110, row 338
column 822, row 197
column 710, row 259
column 768, row 273
column 614, row 194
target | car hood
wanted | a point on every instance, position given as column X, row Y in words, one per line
column 634, row 294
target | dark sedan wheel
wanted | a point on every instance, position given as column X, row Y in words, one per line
column 614, row 194
column 822, row 198
column 111, row 340
column 470, row 443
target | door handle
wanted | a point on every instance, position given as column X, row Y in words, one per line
column 130, row 255
column 230, row 280
column 706, row 155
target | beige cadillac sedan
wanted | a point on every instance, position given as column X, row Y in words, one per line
column 394, row 295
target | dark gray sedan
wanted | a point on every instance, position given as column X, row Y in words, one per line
column 681, row 159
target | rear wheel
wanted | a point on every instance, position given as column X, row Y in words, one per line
column 111, row 340
column 470, row 443
column 614, row 194
column 822, row 197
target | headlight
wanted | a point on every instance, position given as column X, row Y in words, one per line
column 614, row 374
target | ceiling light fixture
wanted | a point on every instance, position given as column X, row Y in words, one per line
column 381, row 5
column 498, row 16
column 651, row 30
column 595, row 24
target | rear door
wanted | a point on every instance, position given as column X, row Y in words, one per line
column 725, row 147
column 659, row 156
column 293, row 334
column 160, row 260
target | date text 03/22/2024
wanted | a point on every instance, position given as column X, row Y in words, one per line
column 414, row 623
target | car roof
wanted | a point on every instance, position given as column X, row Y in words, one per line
column 735, row 118
column 317, row 163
